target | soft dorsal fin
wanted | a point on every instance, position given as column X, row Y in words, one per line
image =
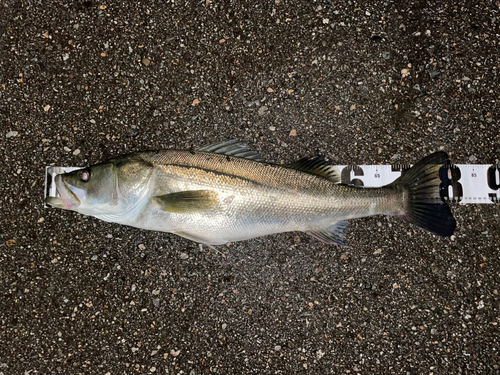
column 187, row 201
column 333, row 234
column 234, row 148
column 317, row 165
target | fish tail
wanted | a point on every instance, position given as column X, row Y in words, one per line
column 422, row 185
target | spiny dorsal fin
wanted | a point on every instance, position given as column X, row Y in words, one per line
column 317, row 165
column 333, row 234
column 187, row 201
column 234, row 148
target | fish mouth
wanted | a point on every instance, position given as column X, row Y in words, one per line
column 67, row 199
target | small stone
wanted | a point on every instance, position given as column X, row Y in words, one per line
column 293, row 133
column 353, row 107
column 377, row 252
column 386, row 55
column 433, row 73
column 195, row 102
column 277, row 348
column 10, row 242
column 224, row 326
column 184, row 256
column 404, row 73
column 472, row 159
column 46, row 108
column 326, row 21
column 270, row 89
column 92, row 121
column 102, row 7
column 67, row 149
column 222, row 40
column 272, row 128
column 480, row 305
column 94, row 257
column 141, row 246
column 152, row 369
column 76, row 152
column 175, row 353
column 11, row 134
column 146, row 62
column 262, row 110
column 156, row 302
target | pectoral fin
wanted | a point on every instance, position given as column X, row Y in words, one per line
column 187, row 201
column 333, row 234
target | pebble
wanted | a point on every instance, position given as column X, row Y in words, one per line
column 141, row 246
column 76, row 152
column 433, row 73
column 472, row 159
column 272, row 128
column 46, row 108
column 377, row 252
column 146, row 62
column 156, row 302
column 293, row 133
column 67, row 149
column 11, row 134
column 386, row 55
column 262, row 110
column 184, row 256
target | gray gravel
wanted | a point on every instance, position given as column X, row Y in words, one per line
column 84, row 81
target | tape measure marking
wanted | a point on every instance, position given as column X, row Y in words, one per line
column 468, row 183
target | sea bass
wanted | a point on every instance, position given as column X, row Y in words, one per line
column 225, row 192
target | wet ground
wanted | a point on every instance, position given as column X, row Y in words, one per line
column 84, row 81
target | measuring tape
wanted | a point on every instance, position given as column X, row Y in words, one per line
column 466, row 183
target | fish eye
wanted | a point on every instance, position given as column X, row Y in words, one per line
column 85, row 175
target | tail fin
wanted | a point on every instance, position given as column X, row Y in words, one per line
column 425, row 207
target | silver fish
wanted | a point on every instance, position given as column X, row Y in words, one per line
column 225, row 192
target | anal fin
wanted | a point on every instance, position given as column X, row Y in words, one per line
column 332, row 235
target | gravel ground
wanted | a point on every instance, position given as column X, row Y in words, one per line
column 84, row 81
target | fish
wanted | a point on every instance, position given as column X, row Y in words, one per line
column 226, row 192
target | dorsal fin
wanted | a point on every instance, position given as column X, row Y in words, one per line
column 234, row 148
column 317, row 165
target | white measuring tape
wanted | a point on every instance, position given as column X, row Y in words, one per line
column 467, row 183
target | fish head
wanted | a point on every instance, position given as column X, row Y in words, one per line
column 89, row 190
column 112, row 187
